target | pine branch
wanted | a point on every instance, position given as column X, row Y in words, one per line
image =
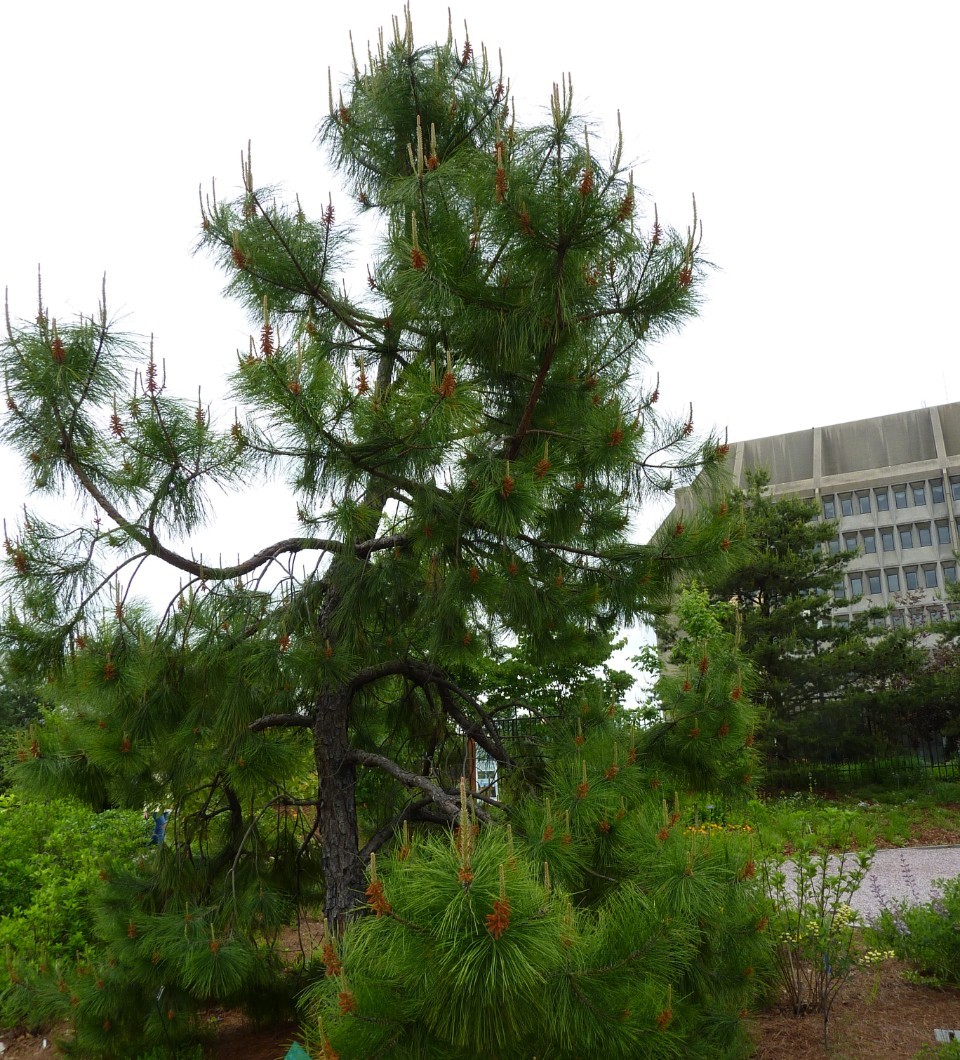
column 277, row 721
column 410, row 812
column 447, row 803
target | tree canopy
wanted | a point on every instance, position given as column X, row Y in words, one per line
column 829, row 688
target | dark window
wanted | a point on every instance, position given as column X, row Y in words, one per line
column 900, row 496
column 919, row 494
column 829, row 508
column 873, row 580
column 863, row 500
column 923, row 535
column 856, row 585
column 834, row 545
column 930, row 577
column 870, row 541
column 950, row 573
column 943, row 533
column 850, row 542
column 916, row 617
column 883, row 500
column 936, row 490
column 893, row 581
column 896, row 619
column 911, row 577
column 878, row 621
column 955, row 488
column 906, row 537
column 838, row 591
column 842, row 620
column 886, row 538
column 846, row 504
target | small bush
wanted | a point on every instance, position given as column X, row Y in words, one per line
column 928, row 936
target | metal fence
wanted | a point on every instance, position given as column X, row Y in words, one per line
column 898, row 772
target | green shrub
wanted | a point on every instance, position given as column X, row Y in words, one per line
column 928, row 935
column 52, row 853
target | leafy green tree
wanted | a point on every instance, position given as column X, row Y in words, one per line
column 822, row 682
column 468, row 439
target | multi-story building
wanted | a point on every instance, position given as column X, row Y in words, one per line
column 893, row 484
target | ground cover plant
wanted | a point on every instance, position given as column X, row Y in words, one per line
column 926, row 934
column 869, row 817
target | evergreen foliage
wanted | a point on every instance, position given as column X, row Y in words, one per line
column 830, row 689
column 468, row 439
column 605, row 923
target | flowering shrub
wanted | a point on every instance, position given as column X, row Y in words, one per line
column 927, row 935
column 813, row 924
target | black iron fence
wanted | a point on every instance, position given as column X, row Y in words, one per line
column 899, row 772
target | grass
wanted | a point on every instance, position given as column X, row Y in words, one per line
column 872, row 816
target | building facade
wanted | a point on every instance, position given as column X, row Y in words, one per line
column 893, row 485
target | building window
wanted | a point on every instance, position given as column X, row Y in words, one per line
column 863, row 502
column 870, row 540
column 838, row 591
column 856, row 585
column 923, row 535
column 900, row 496
column 930, row 577
column 873, row 580
column 919, row 493
column 911, row 577
column 943, row 533
column 950, row 573
column 834, row 546
column 896, row 619
column 842, row 620
column 916, row 617
column 893, row 581
column 829, row 508
column 878, row 622
column 846, row 504
column 850, row 542
column 886, row 539
column 883, row 500
column 936, row 490
column 955, row 487
column 906, row 537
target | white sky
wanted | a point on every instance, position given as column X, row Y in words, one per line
column 819, row 140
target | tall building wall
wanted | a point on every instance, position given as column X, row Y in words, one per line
column 893, row 484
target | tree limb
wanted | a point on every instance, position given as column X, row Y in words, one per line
column 449, row 804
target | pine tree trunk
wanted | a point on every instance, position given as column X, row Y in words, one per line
column 342, row 871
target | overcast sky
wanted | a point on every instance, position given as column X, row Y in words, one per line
column 819, row 140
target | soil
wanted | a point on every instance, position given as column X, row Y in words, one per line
column 875, row 1017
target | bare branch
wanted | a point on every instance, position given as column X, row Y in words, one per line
column 279, row 721
column 447, row 803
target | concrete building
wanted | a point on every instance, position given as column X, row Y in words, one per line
column 893, row 484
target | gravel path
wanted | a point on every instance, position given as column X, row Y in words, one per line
column 907, row 874
column 904, row 874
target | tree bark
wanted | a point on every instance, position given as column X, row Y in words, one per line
column 337, row 809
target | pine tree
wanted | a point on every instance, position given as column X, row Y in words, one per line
column 608, row 922
column 822, row 681
column 468, row 439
